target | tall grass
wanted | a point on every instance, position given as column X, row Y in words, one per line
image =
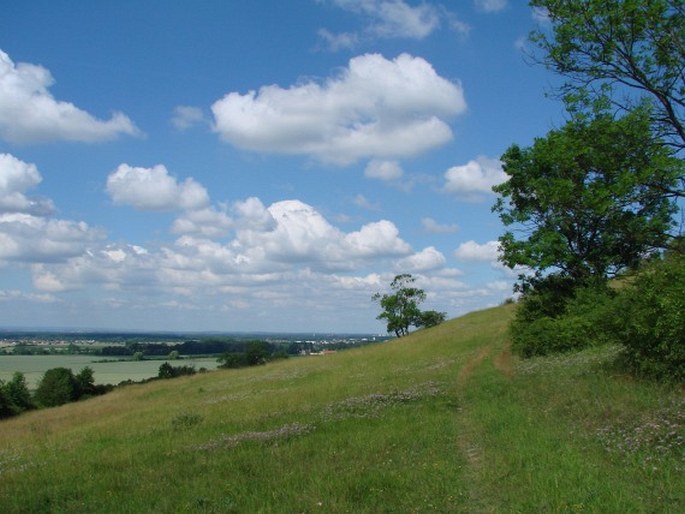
column 445, row 420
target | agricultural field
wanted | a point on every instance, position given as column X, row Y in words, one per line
column 105, row 371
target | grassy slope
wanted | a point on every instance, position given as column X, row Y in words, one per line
column 445, row 420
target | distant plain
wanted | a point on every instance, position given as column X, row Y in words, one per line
column 111, row 372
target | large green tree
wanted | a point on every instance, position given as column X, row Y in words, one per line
column 585, row 202
column 623, row 51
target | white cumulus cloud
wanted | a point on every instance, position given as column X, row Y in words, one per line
column 154, row 189
column 252, row 214
column 475, row 178
column 302, row 234
column 29, row 113
column 27, row 233
column 377, row 239
column 16, row 177
column 375, row 108
column 206, row 222
column 473, row 251
column 427, row 259
column 28, row 238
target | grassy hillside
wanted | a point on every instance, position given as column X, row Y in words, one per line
column 445, row 420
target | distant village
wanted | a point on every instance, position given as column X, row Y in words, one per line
column 25, row 343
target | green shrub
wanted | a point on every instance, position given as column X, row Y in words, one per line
column 255, row 354
column 649, row 320
column 545, row 297
column 232, row 360
column 166, row 370
column 570, row 321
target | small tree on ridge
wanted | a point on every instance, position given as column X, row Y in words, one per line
column 401, row 309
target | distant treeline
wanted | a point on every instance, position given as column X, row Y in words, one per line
column 221, row 346
column 202, row 347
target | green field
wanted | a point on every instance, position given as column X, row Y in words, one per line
column 112, row 372
column 444, row 420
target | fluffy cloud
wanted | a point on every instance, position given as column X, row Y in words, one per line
column 387, row 171
column 375, row 108
column 27, row 234
column 29, row 113
column 278, row 260
column 427, row 259
column 301, row 234
column 490, row 5
column 252, row 214
column 269, row 245
column 28, row 238
column 112, row 266
column 300, row 272
column 206, row 222
column 378, row 239
column 472, row 251
column 154, row 189
column 475, row 178
column 16, row 177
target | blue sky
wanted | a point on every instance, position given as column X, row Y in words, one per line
column 268, row 165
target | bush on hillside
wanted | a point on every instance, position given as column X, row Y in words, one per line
column 166, row 370
column 18, row 394
column 544, row 297
column 255, row 354
column 649, row 320
column 57, row 387
column 556, row 318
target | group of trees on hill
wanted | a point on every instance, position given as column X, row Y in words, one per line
column 57, row 387
column 597, row 197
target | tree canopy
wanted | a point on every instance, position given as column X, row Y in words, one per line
column 624, row 51
column 587, row 200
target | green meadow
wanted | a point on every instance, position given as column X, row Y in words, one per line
column 443, row 420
